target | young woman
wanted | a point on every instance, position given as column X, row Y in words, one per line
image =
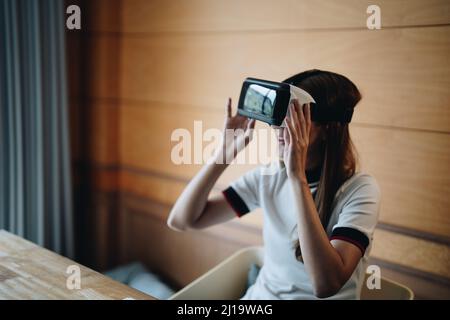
column 319, row 213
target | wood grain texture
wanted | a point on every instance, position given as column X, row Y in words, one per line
column 101, row 144
column 412, row 170
column 238, row 16
column 404, row 74
column 28, row 271
column 100, row 66
column 410, row 166
column 412, row 252
column 102, row 15
column 164, row 189
column 147, row 132
column 422, row 285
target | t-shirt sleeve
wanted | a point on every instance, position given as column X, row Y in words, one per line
column 359, row 215
column 243, row 194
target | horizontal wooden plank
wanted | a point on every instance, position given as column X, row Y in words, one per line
column 166, row 190
column 100, row 145
column 163, row 189
column 94, row 132
column 100, row 66
column 146, row 134
column 101, row 15
column 235, row 15
column 97, row 177
column 411, row 167
column 413, row 173
column 412, row 252
column 423, row 286
column 151, row 186
column 404, row 75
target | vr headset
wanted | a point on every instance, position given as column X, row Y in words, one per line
column 268, row 101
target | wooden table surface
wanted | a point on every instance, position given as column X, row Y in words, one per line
column 28, row 271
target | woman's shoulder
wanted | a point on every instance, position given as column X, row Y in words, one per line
column 360, row 182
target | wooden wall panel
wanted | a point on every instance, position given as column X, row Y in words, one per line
column 147, row 131
column 151, row 185
column 103, row 178
column 102, row 122
column 404, row 74
column 103, row 15
column 411, row 166
column 267, row 15
column 101, row 69
column 396, row 209
column 150, row 67
column 412, row 170
column 423, row 287
column 400, row 208
column 412, row 252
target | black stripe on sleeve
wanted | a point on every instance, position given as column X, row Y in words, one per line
column 235, row 201
column 351, row 235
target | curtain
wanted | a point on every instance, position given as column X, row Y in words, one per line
column 35, row 178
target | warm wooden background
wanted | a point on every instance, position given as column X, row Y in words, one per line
column 140, row 69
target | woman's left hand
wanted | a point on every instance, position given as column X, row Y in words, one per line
column 296, row 137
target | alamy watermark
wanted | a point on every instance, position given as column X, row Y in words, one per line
column 374, row 20
column 224, row 147
column 73, row 21
column 73, row 281
column 373, row 281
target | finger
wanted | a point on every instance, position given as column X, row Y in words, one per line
column 297, row 117
column 252, row 123
column 308, row 116
column 286, row 135
column 291, row 130
column 302, row 122
column 249, row 129
column 289, row 140
column 245, row 123
column 292, row 123
column 228, row 108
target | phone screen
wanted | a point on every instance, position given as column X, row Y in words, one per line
column 260, row 100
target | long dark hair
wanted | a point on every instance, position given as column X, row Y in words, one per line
column 339, row 160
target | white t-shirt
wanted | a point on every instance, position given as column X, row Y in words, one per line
column 354, row 217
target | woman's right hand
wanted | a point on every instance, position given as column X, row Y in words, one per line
column 196, row 208
column 237, row 134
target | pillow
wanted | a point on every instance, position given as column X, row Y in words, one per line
column 138, row 277
column 252, row 274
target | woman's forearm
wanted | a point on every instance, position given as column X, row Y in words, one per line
column 192, row 201
column 322, row 262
